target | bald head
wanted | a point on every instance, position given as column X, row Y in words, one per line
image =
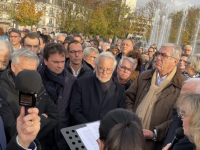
column 191, row 86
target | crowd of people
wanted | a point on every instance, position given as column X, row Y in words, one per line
column 140, row 96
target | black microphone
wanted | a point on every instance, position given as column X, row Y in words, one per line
column 28, row 81
column 179, row 135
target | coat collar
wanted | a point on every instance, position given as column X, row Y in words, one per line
column 176, row 81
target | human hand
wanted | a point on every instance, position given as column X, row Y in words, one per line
column 28, row 126
column 147, row 134
column 167, row 146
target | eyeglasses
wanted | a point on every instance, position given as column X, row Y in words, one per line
column 13, row 37
column 124, row 68
column 74, row 52
column 182, row 60
column 150, row 51
column 187, row 50
column 181, row 114
column 4, row 62
column 187, row 63
column 162, row 55
column 101, row 69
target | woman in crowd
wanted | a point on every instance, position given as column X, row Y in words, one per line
column 121, row 129
column 137, row 57
column 189, row 111
column 192, row 67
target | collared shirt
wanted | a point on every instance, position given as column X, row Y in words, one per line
column 18, row 48
column 160, row 80
column 17, row 139
column 74, row 72
column 188, row 77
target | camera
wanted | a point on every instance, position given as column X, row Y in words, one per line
column 27, row 99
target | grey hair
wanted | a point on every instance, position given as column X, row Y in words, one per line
column 188, row 46
column 6, row 44
column 24, row 52
column 195, row 81
column 86, row 44
column 105, row 55
column 105, row 43
column 195, row 62
column 62, row 34
column 88, row 50
column 128, row 40
column 130, row 59
column 176, row 50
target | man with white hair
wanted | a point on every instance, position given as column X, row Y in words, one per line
column 6, row 50
column 90, row 54
column 105, row 46
column 153, row 95
column 187, row 50
column 125, row 69
column 94, row 96
column 61, row 38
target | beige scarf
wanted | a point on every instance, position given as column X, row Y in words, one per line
column 145, row 109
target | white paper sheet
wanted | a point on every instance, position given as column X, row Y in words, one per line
column 89, row 135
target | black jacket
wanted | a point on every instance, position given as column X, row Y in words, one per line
column 63, row 107
column 87, row 104
column 118, row 57
column 11, row 109
column 183, row 144
column 85, row 71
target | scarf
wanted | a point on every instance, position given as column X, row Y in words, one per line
column 145, row 109
column 54, row 83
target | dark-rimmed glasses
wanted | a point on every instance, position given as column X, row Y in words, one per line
column 162, row 55
column 124, row 68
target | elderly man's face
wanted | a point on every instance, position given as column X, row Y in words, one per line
column 181, row 63
column 4, row 59
column 24, row 63
column 104, row 69
column 55, row 63
column 14, row 38
column 165, row 64
column 104, row 47
column 125, row 70
column 91, row 58
column 188, row 50
column 61, row 39
column 75, row 53
column 127, row 46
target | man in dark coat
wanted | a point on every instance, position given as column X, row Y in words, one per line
column 75, row 63
column 92, row 97
column 153, row 95
column 190, row 86
column 26, row 59
column 58, row 84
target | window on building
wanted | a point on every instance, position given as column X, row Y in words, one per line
column 51, row 10
column 50, row 21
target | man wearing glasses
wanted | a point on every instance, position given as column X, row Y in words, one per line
column 187, row 50
column 94, row 96
column 151, row 53
column 15, row 38
column 75, row 63
column 153, row 95
column 125, row 70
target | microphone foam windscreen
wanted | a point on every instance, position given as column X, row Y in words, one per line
column 179, row 133
column 28, row 81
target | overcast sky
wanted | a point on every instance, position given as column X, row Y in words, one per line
column 181, row 3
